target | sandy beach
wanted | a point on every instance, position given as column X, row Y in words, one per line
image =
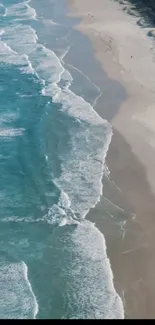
column 127, row 55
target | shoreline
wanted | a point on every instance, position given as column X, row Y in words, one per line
column 130, row 157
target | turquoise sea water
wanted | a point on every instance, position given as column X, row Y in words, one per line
column 53, row 261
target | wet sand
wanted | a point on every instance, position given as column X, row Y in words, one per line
column 126, row 54
column 129, row 233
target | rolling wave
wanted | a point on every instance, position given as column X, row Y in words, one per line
column 17, row 300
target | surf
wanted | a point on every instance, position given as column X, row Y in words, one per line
column 78, row 181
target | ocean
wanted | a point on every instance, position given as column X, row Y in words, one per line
column 53, row 144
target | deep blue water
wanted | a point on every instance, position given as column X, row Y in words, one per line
column 53, row 262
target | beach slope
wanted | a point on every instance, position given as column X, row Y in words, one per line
column 127, row 55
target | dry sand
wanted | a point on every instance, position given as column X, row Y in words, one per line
column 127, row 55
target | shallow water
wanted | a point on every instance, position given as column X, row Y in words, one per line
column 53, row 144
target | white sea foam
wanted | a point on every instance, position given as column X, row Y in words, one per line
column 21, row 11
column 64, row 53
column 46, row 157
column 8, row 132
column 9, row 56
column 16, row 219
column 21, row 38
column 28, row 68
column 92, row 295
column 66, row 76
column 49, row 22
column 35, row 309
column 8, row 117
column 107, row 171
column 49, row 67
column 59, row 216
column 1, row 32
column 3, row 10
column 17, row 300
column 64, row 200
